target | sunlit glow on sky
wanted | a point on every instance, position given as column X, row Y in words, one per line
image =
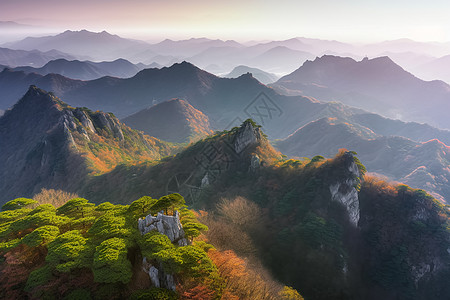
column 346, row 20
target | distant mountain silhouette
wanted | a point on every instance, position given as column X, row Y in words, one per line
column 173, row 121
column 280, row 59
column 434, row 69
column 227, row 102
column 421, row 165
column 262, row 76
column 378, row 85
column 101, row 45
column 34, row 58
column 85, row 70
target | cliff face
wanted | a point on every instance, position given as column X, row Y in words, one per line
column 345, row 190
column 46, row 143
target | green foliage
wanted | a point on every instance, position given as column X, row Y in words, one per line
column 38, row 277
column 141, row 207
column 42, row 208
column 111, row 263
column 76, row 208
column 78, row 294
column 41, row 236
column 189, row 260
column 175, row 201
column 19, row 203
column 109, row 225
column 191, row 226
column 153, row 242
column 11, row 215
column 317, row 158
column 253, row 123
column 154, row 294
column 194, row 229
column 8, row 245
column 68, row 251
column 36, row 219
column 79, row 241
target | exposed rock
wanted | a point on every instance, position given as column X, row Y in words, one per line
column 84, row 119
column 167, row 225
column 69, row 137
column 104, row 120
column 247, row 135
column 154, row 276
column 171, row 227
column 346, row 193
column 205, row 180
column 255, row 163
column 427, row 267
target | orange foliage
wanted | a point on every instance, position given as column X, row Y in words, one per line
column 198, row 292
column 379, row 185
column 241, row 281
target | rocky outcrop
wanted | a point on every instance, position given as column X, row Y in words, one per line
column 246, row 135
column 167, row 225
column 205, row 181
column 104, row 120
column 172, row 228
column 84, row 119
column 255, row 163
column 157, row 277
column 345, row 192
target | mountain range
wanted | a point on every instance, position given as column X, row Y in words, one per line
column 422, row 165
column 33, row 58
column 220, row 57
column 378, row 85
column 85, row 70
column 101, row 45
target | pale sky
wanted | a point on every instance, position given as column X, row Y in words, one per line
column 345, row 20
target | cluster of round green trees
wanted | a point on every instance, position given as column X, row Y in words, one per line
column 82, row 236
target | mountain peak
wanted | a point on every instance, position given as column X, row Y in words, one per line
column 188, row 124
column 37, row 97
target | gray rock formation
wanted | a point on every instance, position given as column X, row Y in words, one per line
column 105, row 120
column 255, row 163
column 172, row 228
column 247, row 135
column 84, row 119
column 167, row 225
column 205, row 180
column 345, row 191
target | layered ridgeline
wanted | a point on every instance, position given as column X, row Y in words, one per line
column 377, row 85
column 317, row 224
column 14, row 58
column 419, row 164
column 85, row 70
column 226, row 102
column 174, row 121
column 46, row 143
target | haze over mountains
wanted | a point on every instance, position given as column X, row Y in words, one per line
column 86, row 70
column 220, row 57
column 377, row 85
